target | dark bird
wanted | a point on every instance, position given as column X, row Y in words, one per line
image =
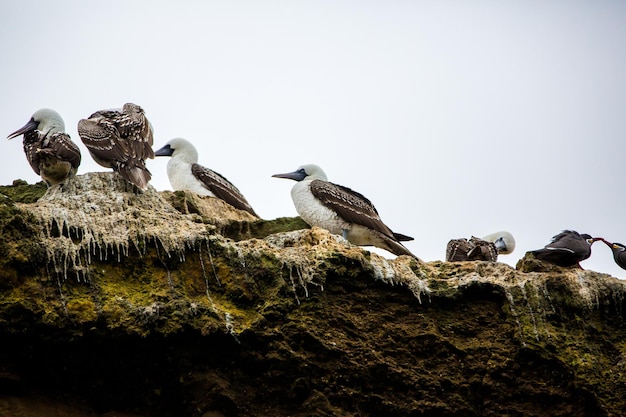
column 567, row 248
column 341, row 211
column 486, row 249
column 49, row 150
column 122, row 140
column 619, row 253
column 186, row 174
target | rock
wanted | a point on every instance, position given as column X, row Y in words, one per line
column 114, row 302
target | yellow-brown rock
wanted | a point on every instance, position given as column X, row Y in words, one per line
column 114, row 302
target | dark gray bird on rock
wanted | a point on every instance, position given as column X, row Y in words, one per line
column 122, row 140
column 341, row 211
column 49, row 150
column 567, row 248
column 619, row 252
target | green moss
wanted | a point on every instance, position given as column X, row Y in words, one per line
column 262, row 228
column 22, row 192
column 20, row 249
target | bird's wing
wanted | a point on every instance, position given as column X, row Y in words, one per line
column 102, row 138
column 221, row 188
column 61, row 146
column 351, row 206
column 568, row 241
column 32, row 142
column 137, row 132
column 559, row 237
column 456, row 250
column 117, row 135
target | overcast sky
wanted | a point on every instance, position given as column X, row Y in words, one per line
column 456, row 118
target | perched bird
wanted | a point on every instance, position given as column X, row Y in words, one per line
column 185, row 173
column 567, row 248
column 49, row 150
column 486, row 249
column 619, row 253
column 341, row 211
column 474, row 249
column 120, row 139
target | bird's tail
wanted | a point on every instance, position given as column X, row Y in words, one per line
column 402, row 238
column 138, row 176
column 395, row 247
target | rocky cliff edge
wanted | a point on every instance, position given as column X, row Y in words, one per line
column 115, row 302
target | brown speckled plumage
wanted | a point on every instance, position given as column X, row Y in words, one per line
column 121, row 140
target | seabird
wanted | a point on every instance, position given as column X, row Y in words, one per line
column 49, row 150
column 341, row 211
column 475, row 249
column 619, row 252
column 567, row 248
column 186, row 174
column 120, row 139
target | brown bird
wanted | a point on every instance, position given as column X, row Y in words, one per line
column 567, row 248
column 122, row 140
column 49, row 150
column 474, row 249
column 341, row 211
column 486, row 249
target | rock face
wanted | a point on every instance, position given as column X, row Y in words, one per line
column 115, row 303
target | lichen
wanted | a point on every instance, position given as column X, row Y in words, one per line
column 96, row 216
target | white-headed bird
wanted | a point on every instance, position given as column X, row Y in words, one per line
column 49, row 150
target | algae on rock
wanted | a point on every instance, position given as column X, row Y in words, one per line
column 171, row 317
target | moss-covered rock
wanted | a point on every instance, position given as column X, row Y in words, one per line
column 120, row 303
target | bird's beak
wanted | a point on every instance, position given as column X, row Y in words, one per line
column 164, row 151
column 296, row 175
column 500, row 245
column 613, row 245
column 30, row 126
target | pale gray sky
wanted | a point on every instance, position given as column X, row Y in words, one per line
column 456, row 118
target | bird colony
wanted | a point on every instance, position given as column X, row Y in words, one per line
column 122, row 139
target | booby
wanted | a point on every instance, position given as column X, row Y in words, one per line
column 486, row 249
column 474, row 249
column 120, row 139
column 619, row 252
column 186, row 174
column 49, row 150
column 341, row 211
column 567, row 248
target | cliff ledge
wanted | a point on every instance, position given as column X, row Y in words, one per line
column 118, row 303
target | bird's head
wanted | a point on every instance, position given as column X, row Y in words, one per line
column 588, row 238
column 44, row 120
column 618, row 246
column 179, row 148
column 308, row 172
column 504, row 242
column 613, row 245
